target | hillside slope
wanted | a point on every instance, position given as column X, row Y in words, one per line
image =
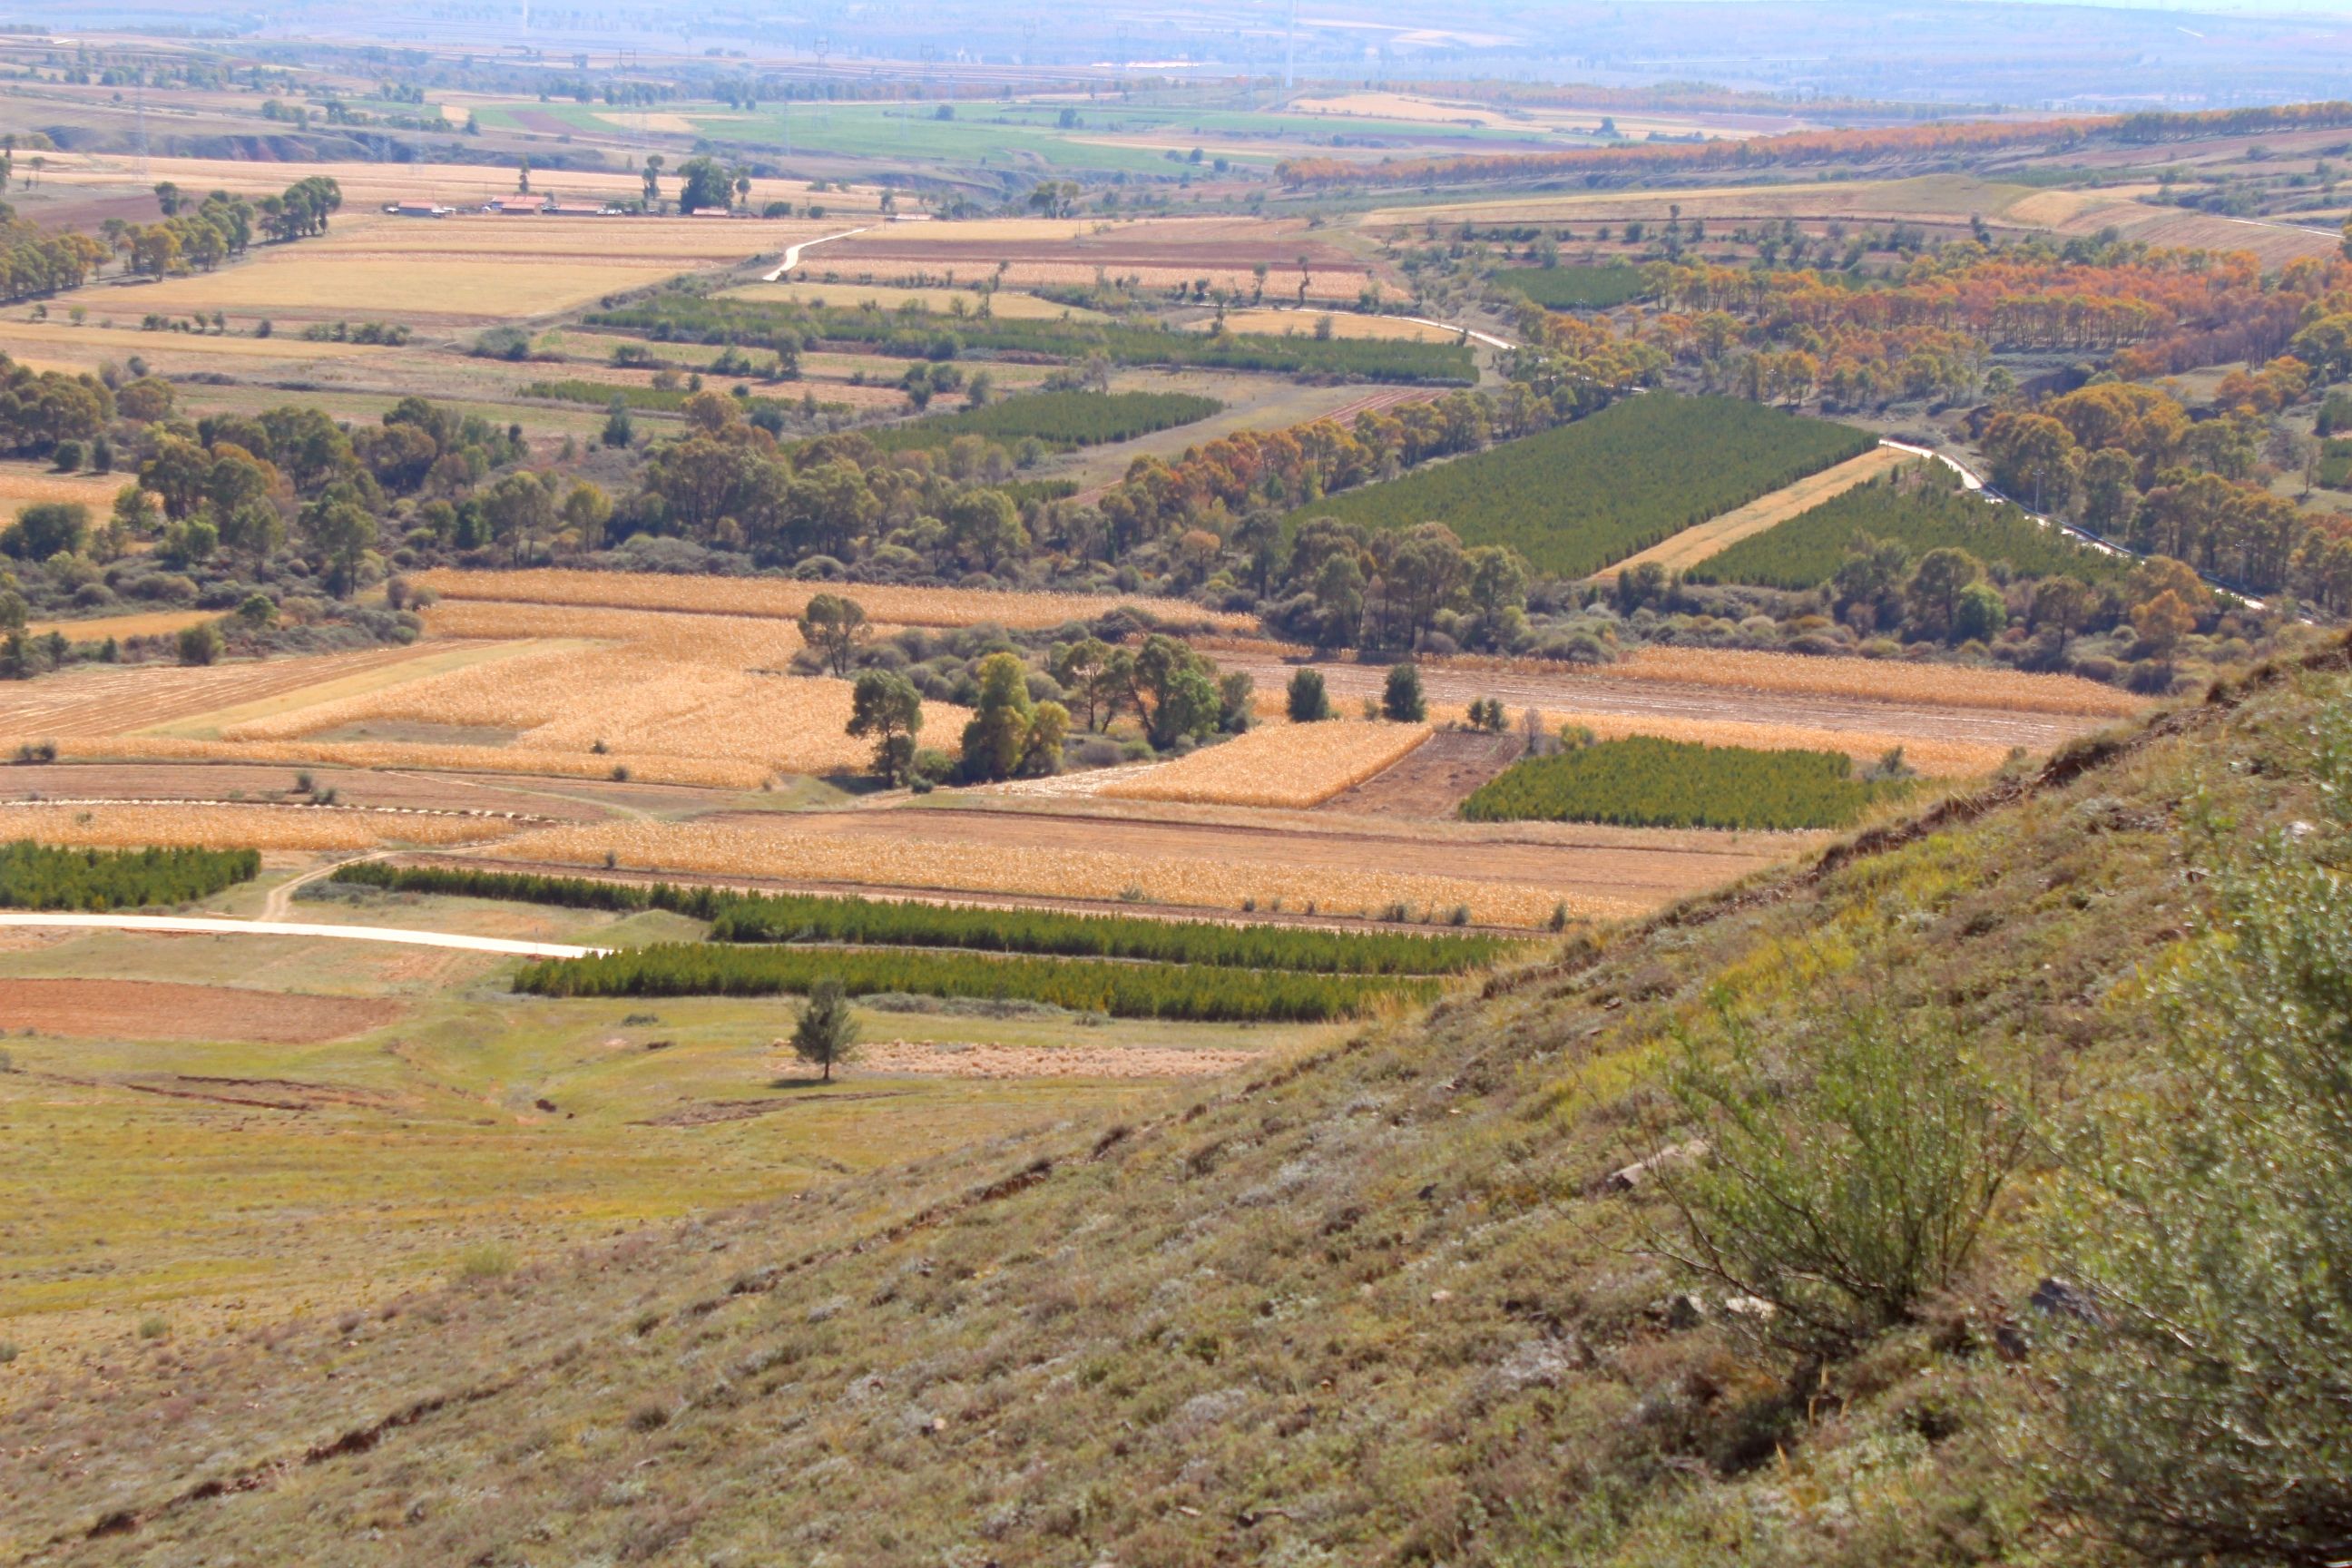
column 1383, row 1305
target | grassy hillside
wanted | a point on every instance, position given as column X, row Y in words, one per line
column 1388, row 1304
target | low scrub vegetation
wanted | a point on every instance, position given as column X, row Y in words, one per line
column 1573, row 499
column 1642, row 781
column 35, row 876
column 1198, row 993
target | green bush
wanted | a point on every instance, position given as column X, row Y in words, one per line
column 1644, row 782
column 36, row 876
column 2207, row 1375
column 1192, row 992
column 1580, row 497
column 1807, row 551
column 1841, row 1175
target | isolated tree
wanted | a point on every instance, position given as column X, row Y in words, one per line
column 885, row 708
column 708, row 184
column 997, row 739
column 1175, row 691
column 826, row 1032
column 653, row 181
column 1401, row 701
column 619, row 429
column 834, row 625
column 201, row 644
column 1307, row 701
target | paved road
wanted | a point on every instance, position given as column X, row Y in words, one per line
column 792, row 253
column 206, row 926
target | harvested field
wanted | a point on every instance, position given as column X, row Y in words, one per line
column 98, row 701
column 1693, row 546
column 1009, row 304
column 1432, row 779
column 90, row 345
column 784, row 597
column 145, row 624
column 1291, row 766
column 1098, row 858
column 152, row 1010
column 252, row 826
column 949, row 1058
column 1882, row 699
column 29, row 484
column 677, row 698
column 1344, row 324
column 352, row 786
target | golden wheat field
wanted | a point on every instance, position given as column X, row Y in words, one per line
column 708, row 772
column 29, row 484
column 1883, row 681
column 813, row 853
column 784, row 597
column 669, row 697
column 1292, row 766
column 359, row 287
column 1934, row 759
column 240, row 827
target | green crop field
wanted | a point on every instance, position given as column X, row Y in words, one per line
column 1583, row 496
column 36, row 877
column 921, row 334
column 888, row 922
column 1060, row 419
column 1807, row 551
column 1574, row 288
column 1644, row 782
column 1198, row 993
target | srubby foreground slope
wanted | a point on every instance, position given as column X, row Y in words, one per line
column 1383, row 1304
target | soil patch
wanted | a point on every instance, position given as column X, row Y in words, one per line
column 159, row 1010
column 1433, row 778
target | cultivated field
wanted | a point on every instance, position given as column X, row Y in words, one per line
column 1693, row 546
column 1292, row 766
column 1277, row 323
column 783, row 597
column 27, row 484
column 240, row 827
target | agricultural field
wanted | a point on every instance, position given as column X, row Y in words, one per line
column 1919, row 511
column 1686, row 551
column 1583, row 496
column 1645, row 782
column 1573, row 288
column 780, row 598
column 1284, row 765
column 1267, row 320
column 25, row 484
column 1059, row 420
column 1010, row 304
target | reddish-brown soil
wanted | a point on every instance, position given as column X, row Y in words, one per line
column 1433, row 778
column 157, row 1010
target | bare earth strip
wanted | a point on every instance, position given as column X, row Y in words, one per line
column 1712, row 537
column 926, row 1059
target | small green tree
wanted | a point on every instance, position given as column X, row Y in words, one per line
column 826, row 1032
column 201, row 644
column 997, row 739
column 619, row 430
column 885, row 706
column 1401, row 701
column 833, row 625
column 1307, row 701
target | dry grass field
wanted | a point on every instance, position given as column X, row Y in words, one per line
column 241, row 826
column 143, row 624
column 88, row 345
column 1928, row 198
column 1276, row 322
column 30, row 484
column 1883, row 681
column 1009, row 303
column 1715, row 535
column 785, row 597
column 1291, row 766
